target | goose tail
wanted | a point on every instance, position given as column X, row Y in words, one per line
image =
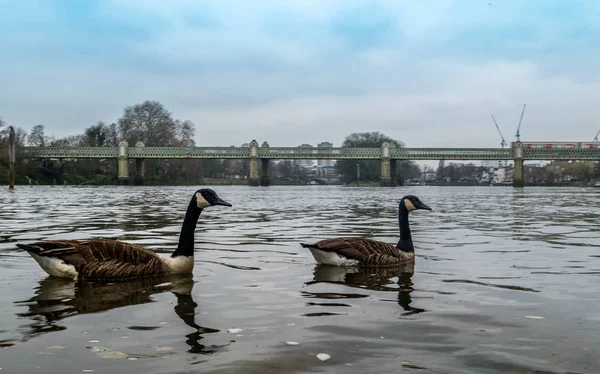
column 30, row 248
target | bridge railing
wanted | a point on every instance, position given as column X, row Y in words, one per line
column 188, row 152
column 68, row 152
column 319, row 153
column 313, row 153
column 451, row 153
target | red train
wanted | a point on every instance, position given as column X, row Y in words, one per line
column 559, row 145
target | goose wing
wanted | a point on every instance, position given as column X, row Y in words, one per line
column 366, row 251
column 101, row 258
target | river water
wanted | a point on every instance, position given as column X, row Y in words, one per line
column 505, row 281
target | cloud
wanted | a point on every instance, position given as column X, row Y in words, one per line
column 302, row 72
column 458, row 114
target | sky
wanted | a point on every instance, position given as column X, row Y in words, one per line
column 427, row 73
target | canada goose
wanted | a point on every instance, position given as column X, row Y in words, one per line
column 353, row 251
column 107, row 258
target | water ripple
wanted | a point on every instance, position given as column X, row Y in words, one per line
column 505, row 280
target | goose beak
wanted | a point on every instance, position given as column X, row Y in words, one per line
column 424, row 206
column 221, row 202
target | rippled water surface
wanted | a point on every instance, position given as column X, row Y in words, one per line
column 505, row 281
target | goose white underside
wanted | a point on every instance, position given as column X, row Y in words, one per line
column 55, row 266
column 331, row 258
column 180, row 264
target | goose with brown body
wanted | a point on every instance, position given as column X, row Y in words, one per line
column 106, row 258
column 354, row 251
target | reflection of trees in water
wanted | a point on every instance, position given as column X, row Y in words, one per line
column 377, row 279
column 57, row 298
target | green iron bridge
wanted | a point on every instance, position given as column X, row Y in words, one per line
column 260, row 156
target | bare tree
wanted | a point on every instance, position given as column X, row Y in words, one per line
column 148, row 122
column 96, row 135
column 185, row 133
column 37, row 137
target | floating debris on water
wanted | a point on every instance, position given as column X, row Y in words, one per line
column 534, row 317
column 94, row 341
column 292, row 343
column 234, row 330
column 108, row 353
column 323, row 356
column 112, row 354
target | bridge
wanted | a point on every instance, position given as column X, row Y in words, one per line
column 260, row 156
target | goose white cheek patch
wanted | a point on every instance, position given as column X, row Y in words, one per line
column 201, row 201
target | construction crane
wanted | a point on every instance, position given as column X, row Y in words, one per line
column 518, row 135
column 596, row 137
column 503, row 143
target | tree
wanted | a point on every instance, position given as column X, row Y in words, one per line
column 3, row 128
column 184, row 133
column 96, row 135
column 370, row 170
column 581, row 170
column 152, row 124
column 369, row 140
column 37, row 137
column 20, row 134
column 410, row 170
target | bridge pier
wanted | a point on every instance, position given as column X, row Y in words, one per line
column 123, row 160
column 518, row 180
column 386, row 174
column 140, row 171
column 264, row 172
column 253, row 173
column 394, row 172
column 12, row 149
column 140, row 167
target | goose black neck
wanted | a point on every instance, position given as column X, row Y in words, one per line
column 186, row 237
column 405, row 243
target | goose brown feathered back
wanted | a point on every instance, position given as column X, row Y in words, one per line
column 355, row 251
column 107, row 259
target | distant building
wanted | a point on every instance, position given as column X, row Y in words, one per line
column 304, row 163
column 325, row 163
column 494, row 163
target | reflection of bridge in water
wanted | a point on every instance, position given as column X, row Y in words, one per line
column 260, row 156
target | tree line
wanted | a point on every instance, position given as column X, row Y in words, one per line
column 151, row 123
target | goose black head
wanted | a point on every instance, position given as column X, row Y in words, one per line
column 412, row 202
column 206, row 197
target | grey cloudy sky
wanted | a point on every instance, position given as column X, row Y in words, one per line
column 426, row 73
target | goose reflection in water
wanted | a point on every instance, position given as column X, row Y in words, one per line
column 57, row 299
column 375, row 278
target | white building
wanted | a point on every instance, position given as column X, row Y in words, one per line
column 304, row 163
column 494, row 164
column 325, row 163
